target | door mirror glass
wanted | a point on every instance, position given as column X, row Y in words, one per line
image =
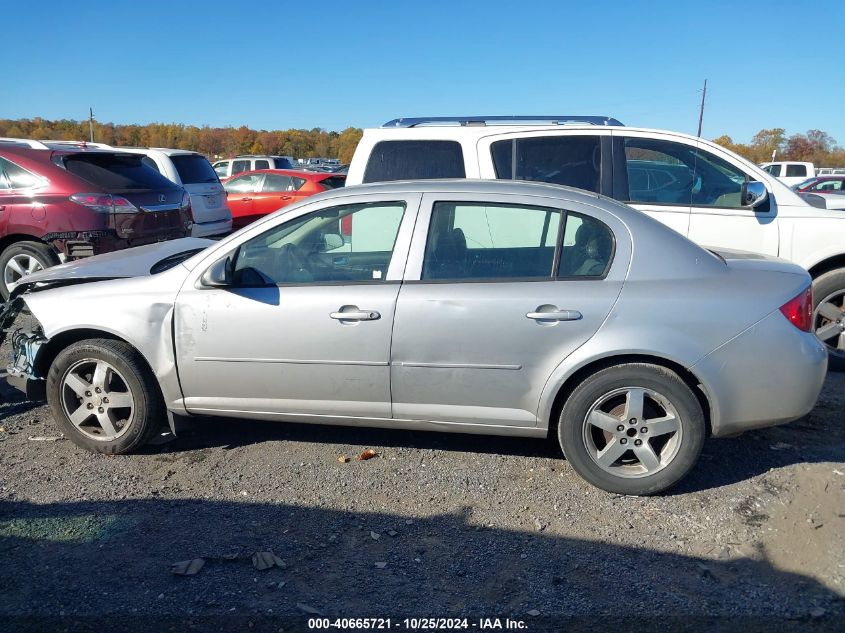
column 332, row 241
column 218, row 275
column 753, row 194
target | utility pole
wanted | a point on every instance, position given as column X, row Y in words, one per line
column 701, row 111
column 91, row 123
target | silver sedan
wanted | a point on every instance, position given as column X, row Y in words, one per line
column 499, row 308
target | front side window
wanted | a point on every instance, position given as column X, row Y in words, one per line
column 827, row 185
column 350, row 243
column 490, row 241
column 574, row 161
column 244, row 184
column 796, row 171
column 277, row 182
column 774, row 170
column 670, row 173
column 415, row 160
column 240, row 165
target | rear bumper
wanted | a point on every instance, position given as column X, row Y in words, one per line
column 216, row 227
column 770, row 374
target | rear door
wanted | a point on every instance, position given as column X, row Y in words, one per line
column 240, row 192
column 277, row 191
column 496, row 295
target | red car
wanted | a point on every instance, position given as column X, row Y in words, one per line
column 63, row 201
column 821, row 184
column 253, row 194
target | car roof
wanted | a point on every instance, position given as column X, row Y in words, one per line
column 299, row 173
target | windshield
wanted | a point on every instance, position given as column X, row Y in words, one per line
column 194, row 169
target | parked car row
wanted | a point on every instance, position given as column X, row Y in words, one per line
column 437, row 295
column 795, row 172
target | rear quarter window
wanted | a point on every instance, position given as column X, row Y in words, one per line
column 415, row 160
column 194, row 169
column 115, row 172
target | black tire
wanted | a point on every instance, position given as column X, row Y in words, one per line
column 39, row 251
column 681, row 448
column 824, row 287
column 132, row 375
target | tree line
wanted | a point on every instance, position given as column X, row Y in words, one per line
column 815, row 146
column 214, row 142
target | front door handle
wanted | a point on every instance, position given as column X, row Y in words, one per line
column 352, row 313
column 555, row 315
column 285, row 197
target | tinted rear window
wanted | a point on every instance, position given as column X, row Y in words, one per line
column 334, row 182
column 194, row 169
column 796, row 171
column 115, row 171
column 415, row 160
column 282, row 163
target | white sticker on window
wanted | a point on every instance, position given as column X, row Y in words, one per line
column 376, row 274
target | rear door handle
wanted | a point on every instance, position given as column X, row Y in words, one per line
column 285, row 197
column 559, row 315
column 355, row 315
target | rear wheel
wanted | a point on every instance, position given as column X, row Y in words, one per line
column 21, row 259
column 104, row 397
column 633, row 429
column 829, row 316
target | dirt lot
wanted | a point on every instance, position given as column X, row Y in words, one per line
column 436, row 525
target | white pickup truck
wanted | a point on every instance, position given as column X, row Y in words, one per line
column 698, row 188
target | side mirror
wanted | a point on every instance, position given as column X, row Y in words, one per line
column 332, row 241
column 753, row 194
column 218, row 275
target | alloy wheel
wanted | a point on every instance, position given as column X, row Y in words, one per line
column 18, row 268
column 829, row 322
column 632, row 432
column 97, row 400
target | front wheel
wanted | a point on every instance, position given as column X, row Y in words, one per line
column 104, row 397
column 829, row 316
column 633, row 429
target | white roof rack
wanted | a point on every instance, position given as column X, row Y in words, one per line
column 23, row 141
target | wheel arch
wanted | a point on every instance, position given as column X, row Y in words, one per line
column 8, row 240
column 827, row 265
column 575, row 378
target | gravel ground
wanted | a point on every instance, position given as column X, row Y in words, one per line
column 435, row 525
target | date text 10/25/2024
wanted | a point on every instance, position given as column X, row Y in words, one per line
column 417, row 624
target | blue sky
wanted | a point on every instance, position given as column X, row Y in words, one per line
column 321, row 63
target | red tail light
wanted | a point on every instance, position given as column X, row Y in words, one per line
column 346, row 225
column 103, row 202
column 799, row 310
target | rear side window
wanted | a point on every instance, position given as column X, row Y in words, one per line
column 490, row 241
column 574, row 161
column 262, row 164
column 115, row 171
column 796, row 171
column 587, row 247
column 240, row 165
column 193, row 169
column 415, row 160
column 333, row 182
column 277, row 182
column 282, row 163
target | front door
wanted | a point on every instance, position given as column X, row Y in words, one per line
column 304, row 327
column 240, row 195
column 503, row 292
column 276, row 192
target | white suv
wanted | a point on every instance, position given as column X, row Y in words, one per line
column 193, row 171
column 248, row 162
column 698, row 188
